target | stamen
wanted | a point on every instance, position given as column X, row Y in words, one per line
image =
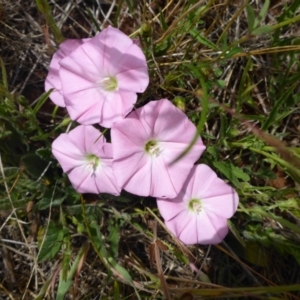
column 152, row 148
column 195, row 205
column 109, row 83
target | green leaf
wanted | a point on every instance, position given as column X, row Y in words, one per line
column 162, row 47
column 262, row 30
column 232, row 172
column 45, row 202
column 10, row 173
column 262, row 13
column 41, row 100
column 131, row 4
column 34, row 164
column 256, row 254
column 52, row 242
column 232, row 52
column 4, row 75
column 203, row 40
column 116, row 290
column 65, row 282
column 276, row 107
column 44, row 7
column 270, row 239
column 113, row 238
column 250, row 17
column 236, row 233
column 94, row 21
column 5, row 203
column 281, row 220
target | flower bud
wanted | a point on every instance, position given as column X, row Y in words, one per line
column 146, row 29
column 179, row 102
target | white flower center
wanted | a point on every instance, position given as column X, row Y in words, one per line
column 152, row 148
column 109, row 83
column 195, row 206
column 93, row 161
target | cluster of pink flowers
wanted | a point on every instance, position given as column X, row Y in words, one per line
column 97, row 81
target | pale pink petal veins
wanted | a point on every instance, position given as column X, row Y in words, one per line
column 86, row 107
column 116, row 108
column 138, row 181
column 134, row 80
column 83, row 179
column 132, row 74
column 134, row 174
column 217, row 196
column 218, row 202
column 66, row 153
column 68, row 46
column 84, row 72
column 128, row 137
column 79, row 71
column 114, row 45
column 93, row 140
column 78, row 137
column 128, row 101
column 132, row 134
column 209, row 229
column 102, row 149
column 87, row 160
column 172, row 125
column 204, row 178
column 169, row 209
column 198, row 229
column 172, row 129
column 105, row 178
column 53, row 80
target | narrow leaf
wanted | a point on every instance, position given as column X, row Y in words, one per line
column 262, row 13
column 262, row 30
column 250, row 17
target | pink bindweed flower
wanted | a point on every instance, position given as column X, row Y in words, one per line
column 101, row 77
column 147, row 142
column 198, row 215
column 87, row 159
column 53, row 79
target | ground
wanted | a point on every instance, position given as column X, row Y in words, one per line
column 233, row 68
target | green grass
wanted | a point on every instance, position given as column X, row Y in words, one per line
column 234, row 70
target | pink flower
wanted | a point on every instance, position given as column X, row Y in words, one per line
column 87, row 159
column 145, row 144
column 101, row 77
column 53, row 79
column 198, row 215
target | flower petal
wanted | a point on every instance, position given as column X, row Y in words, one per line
column 88, row 174
column 105, row 179
column 202, row 229
column 216, row 195
column 53, row 80
column 83, row 180
column 85, row 106
column 114, row 44
column 116, row 107
column 218, row 203
column 130, row 137
column 169, row 209
column 78, row 71
column 64, row 151
column 133, row 174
